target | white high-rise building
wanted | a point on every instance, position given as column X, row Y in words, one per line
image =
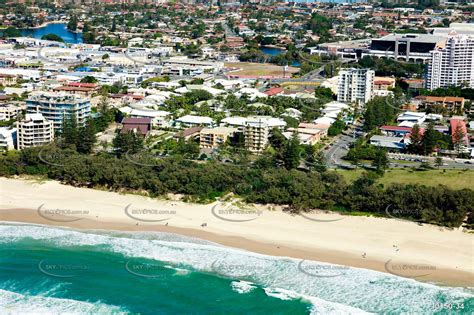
column 33, row 131
column 355, row 85
column 453, row 64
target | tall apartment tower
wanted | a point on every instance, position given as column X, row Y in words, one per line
column 256, row 134
column 453, row 64
column 355, row 85
column 34, row 130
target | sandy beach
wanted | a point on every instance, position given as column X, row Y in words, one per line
column 388, row 245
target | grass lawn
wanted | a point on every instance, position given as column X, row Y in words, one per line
column 456, row 179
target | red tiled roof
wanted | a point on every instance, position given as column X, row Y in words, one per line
column 273, row 91
column 82, row 85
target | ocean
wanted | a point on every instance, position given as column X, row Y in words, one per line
column 58, row 270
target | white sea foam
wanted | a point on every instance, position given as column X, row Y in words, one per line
column 354, row 289
column 12, row 303
column 242, row 286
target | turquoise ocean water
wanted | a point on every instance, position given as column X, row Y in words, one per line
column 55, row 270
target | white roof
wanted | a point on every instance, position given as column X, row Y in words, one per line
column 406, row 123
column 36, row 116
column 149, row 113
column 270, row 121
column 336, row 104
column 413, row 114
column 235, row 121
column 324, row 121
column 332, row 114
column 191, row 119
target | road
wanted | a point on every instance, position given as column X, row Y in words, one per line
column 339, row 148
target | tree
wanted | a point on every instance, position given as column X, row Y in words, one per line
column 105, row 56
column 416, row 140
column 336, row 128
column 86, row 138
column 291, row 153
column 429, row 139
column 381, row 161
column 72, row 24
column 11, row 32
column 88, row 79
column 69, row 132
column 438, row 161
column 315, row 161
column 459, row 138
column 128, row 142
column 53, row 37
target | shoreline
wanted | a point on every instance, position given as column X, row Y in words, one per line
column 275, row 234
column 44, row 24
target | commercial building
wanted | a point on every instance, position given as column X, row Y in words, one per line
column 355, row 85
column 408, row 47
column 452, row 64
column 33, row 131
column 389, row 143
column 59, row 107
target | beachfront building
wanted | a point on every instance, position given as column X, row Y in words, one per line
column 10, row 111
column 256, row 134
column 355, row 85
column 210, row 138
column 7, row 138
column 453, row 64
column 34, row 130
column 59, row 107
